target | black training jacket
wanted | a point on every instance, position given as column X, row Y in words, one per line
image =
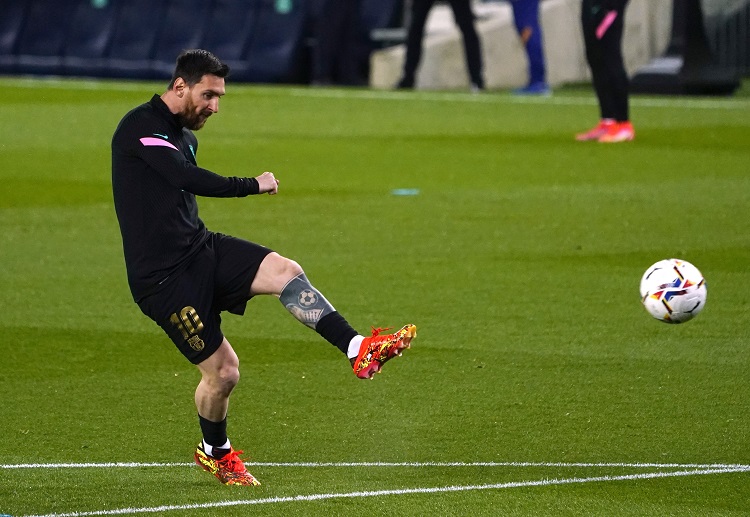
column 155, row 179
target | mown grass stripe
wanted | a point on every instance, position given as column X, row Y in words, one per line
column 390, row 464
column 401, row 491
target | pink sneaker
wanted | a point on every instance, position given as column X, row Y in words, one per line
column 618, row 132
column 596, row 133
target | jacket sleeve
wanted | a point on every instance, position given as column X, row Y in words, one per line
column 178, row 171
column 164, row 157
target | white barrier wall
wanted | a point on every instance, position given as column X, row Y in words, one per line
column 443, row 66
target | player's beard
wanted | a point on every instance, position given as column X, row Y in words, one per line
column 191, row 119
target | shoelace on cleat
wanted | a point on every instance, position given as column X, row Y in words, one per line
column 376, row 331
column 384, row 347
column 232, row 462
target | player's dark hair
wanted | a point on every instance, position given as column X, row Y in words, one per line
column 193, row 64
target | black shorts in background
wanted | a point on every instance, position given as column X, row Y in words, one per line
column 188, row 306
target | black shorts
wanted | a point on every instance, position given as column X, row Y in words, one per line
column 217, row 279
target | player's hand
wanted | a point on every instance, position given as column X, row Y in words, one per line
column 268, row 183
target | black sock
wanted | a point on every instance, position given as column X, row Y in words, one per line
column 336, row 330
column 214, row 433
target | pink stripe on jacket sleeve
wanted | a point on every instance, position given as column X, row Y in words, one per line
column 609, row 18
column 158, row 142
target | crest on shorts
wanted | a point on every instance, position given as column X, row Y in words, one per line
column 196, row 343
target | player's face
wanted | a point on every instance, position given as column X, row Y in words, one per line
column 202, row 101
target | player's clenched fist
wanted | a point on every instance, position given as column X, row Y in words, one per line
column 268, row 183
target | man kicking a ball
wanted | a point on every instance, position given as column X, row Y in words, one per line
column 183, row 276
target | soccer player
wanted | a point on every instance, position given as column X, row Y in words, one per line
column 603, row 23
column 183, row 276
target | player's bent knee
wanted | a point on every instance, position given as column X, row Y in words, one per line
column 229, row 372
column 221, row 371
column 230, row 378
column 274, row 273
column 288, row 268
column 224, row 380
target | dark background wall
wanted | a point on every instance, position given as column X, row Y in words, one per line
column 270, row 41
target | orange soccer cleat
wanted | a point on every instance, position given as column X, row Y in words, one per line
column 230, row 469
column 377, row 349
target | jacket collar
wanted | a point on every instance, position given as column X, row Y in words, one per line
column 161, row 107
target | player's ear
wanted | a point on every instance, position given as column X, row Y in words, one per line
column 179, row 86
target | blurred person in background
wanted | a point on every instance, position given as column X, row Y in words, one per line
column 526, row 19
column 603, row 22
column 464, row 17
column 335, row 54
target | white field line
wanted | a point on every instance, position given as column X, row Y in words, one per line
column 403, row 491
column 92, row 465
column 388, row 464
column 650, row 102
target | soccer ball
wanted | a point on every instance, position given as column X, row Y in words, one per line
column 673, row 291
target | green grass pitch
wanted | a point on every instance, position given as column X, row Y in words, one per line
column 538, row 384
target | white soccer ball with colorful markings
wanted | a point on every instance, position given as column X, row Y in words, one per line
column 673, row 291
